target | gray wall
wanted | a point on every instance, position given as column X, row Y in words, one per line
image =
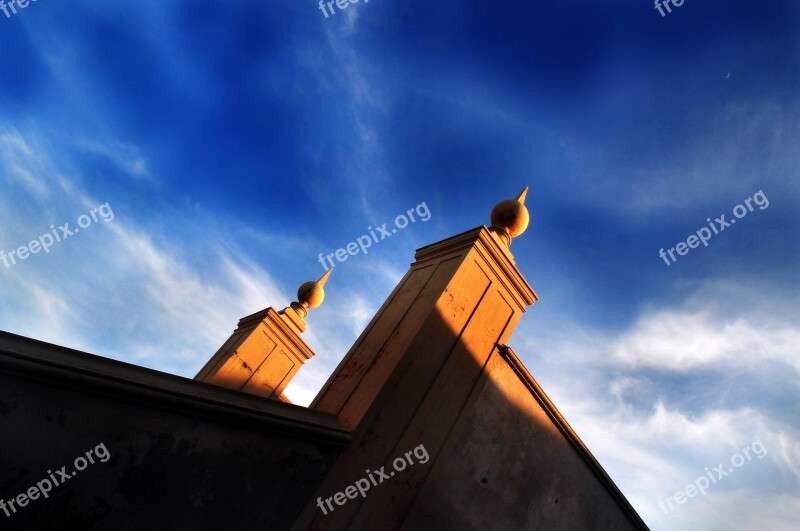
column 508, row 465
column 183, row 455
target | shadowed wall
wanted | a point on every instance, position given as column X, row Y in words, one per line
column 183, row 454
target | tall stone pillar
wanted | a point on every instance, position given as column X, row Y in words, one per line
column 413, row 369
column 266, row 350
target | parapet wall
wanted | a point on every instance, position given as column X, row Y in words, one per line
column 167, row 452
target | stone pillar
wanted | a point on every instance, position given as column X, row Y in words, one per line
column 266, row 350
column 413, row 369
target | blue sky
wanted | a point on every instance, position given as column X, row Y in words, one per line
column 234, row 142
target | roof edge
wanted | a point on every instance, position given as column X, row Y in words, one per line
column 33, row 359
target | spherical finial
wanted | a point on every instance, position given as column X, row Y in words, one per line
column 312, row 293
column 510, row 217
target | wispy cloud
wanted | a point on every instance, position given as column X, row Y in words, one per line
column 125, row 156
column 21, row 165
column 681, row 341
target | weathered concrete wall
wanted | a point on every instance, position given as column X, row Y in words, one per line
column 508, row 465
column 183, row 454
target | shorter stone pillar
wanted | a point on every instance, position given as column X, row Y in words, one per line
column 266, row 350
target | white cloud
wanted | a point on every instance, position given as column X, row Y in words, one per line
column 681, row 341
column 789, row 453
column 125, row 156
column 21, row 164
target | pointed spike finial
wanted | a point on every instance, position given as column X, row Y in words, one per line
column 522, row 195
column 324, row 278
column 510, row 217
